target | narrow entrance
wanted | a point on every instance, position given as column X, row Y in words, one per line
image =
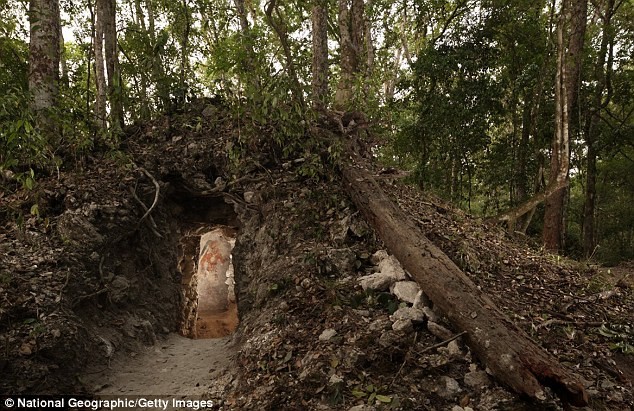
column 217, row 313
column 208, row 230
column 209, row 309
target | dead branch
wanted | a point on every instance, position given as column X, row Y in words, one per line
column 441, row 344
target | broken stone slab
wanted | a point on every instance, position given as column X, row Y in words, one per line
column 378, row 257
column 403, row 326
column 390, row 271
column 421, row 300
column 405, row 290
column 408, row 313
column 376, row 281
column 390, row 267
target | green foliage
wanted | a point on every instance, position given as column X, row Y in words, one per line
column 615, row 195
column 469, row 89
column 13, row 65
column 372, row 394
column 20, row 144
column 470, row 108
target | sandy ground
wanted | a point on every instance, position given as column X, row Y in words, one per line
column 177, row 366
column 213, row 324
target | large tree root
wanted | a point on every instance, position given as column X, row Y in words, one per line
column 508, row 352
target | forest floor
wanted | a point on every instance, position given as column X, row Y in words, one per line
column 91, row 294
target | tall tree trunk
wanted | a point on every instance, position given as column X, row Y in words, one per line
column 343, row 94
column 592, row 120
column 521, row 181
column 369, row 48
column 111, row 54
column 554, row 192
column 100, row 70
column 573, row 23
column 184, row 64
column 357, row 30
column 158, row 71
column 44, row 57
column 63, row 66
column 404, row 35
column 144, row 101
column 351, row 27
column 390, row 83
column 319, row 17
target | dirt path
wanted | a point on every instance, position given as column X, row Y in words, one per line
column 177, row 366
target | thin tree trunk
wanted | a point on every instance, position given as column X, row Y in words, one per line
column 111, row 55
column 44, row 57
column 158, row 71
column 63, row 66
column 319, row 17
column 521, row 186
column 404, row 37
column 539, row 178
column 100, row 71
column 369, row 48
column 559, row 165
column 573, row 13
column 528, row 129
column 144, row 103
column 150, row 20
column 600, row 76
column 184, row 64
column 390, row 84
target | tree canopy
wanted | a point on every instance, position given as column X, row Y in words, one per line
column 486, row 102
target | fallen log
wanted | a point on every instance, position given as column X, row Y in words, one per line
column 507, row 351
